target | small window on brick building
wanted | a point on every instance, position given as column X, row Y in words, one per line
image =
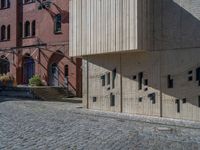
column 112, row 99
column 170, row 82
column 27, row 29
column 66, row 70
column 33, row 27
column 58, row 23
column 4, row 4
column 8, row 32
column 3, row 32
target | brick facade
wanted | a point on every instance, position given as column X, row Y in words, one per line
column 47, row 48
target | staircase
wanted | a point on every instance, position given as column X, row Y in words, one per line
column 42, row 93
column 52, row 93
column 17, row 92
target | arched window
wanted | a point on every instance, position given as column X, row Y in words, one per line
column 33, row 28
column 27, row 29
column 3, row 32
column 3, row 3
column 57, row 23
column 8, row 32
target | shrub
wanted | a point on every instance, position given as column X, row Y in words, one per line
column 35, row 81
column 6, row 80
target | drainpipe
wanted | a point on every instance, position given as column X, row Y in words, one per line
column 87, row 76
column 121, row 96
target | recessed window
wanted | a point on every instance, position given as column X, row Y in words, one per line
column 108, row 78
column 114, row 74
column 103, row 82
column 152, row 98
column 140, row 77
column 8, row 32
column 140, row 99
column 112, row 100
column 4, row 4
column 170, row 82
column 3, row 32
column 184, row 100
column 33, row 26
column 66, row 70
column 178, row 105
column 58, row 23
column 94, row 99
column 27, row 29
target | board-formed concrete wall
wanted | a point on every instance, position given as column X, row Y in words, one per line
column 180, row 101
column 107, row 26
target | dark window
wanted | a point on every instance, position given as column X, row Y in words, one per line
column 8, row 32
column 140, row 77
column 140, row 99
column 199, row 101
column 112, row 100
column 114, row 74
column 27, row 29
column 33, row 26
column 198, row 74
column 134, row 77
column 146, row 82
column 66, row 70
column 108, row 78
column 178, row 105
column 190, row 78
column 58, row 23
column 170, row 82
column 3, row 33
column 3, row 3
column 152, row 97
column 184, row 100
column 94, row 99
column 103, row 80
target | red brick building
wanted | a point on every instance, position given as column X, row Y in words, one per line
column 34, row 40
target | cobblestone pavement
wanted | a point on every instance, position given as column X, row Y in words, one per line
column 35, row 125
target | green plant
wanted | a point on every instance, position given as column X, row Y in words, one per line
column 35, row 81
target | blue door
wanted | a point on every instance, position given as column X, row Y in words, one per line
column 28, row 69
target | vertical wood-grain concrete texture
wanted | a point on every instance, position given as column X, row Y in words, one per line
column 154, row 46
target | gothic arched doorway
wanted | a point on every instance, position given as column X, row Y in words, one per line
column 28, row 68
column 54, row 70
column 54, row 75
column 4, row 65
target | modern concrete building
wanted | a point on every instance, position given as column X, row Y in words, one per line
column 139, row 56
column 34, row 40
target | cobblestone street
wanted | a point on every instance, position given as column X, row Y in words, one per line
column 26, row 124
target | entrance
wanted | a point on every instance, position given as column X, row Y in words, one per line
column 4, row 66
column 54, row 75
column 28, row 69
